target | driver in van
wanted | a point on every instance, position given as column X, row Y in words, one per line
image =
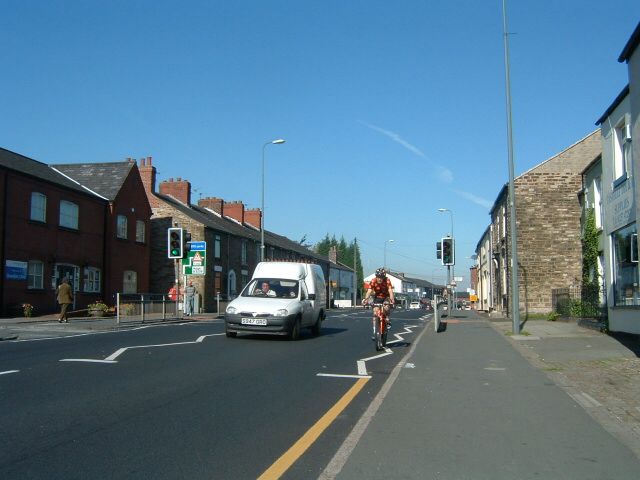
column 265, row 290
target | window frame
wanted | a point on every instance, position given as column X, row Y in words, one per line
column 44, row 207
column 92, row 280
column 141, row 231
column 30, row 275
column 122, row 227
column 66, row 215
column 621, row 152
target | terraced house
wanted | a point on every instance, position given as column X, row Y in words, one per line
column 87, row 222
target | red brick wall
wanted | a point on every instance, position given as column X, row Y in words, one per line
column 48, row 242
column 128, row 254
column 178, row 189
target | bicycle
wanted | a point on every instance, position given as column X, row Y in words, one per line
column 380, row 324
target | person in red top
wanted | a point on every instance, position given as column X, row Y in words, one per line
column 382, row 289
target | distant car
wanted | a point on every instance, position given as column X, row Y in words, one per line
column 414, row 305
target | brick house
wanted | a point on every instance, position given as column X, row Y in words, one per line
column 127, row 223
column 231, row 233
column 51, row 227
column 548, row 229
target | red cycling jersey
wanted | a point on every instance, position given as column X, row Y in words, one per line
column 381, row 287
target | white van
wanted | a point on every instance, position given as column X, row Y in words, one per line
column 280, row 299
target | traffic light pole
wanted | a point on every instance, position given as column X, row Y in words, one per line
column 449, row 293
column 177, row 283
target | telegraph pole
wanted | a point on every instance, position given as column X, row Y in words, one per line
column 515, row 293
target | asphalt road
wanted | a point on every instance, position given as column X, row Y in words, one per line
column 184, row 401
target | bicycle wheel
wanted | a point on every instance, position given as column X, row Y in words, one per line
column 378, row 336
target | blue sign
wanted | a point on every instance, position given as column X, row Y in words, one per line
column 198, row 246
column 15, row 270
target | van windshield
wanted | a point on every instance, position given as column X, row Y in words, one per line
column 272, row 288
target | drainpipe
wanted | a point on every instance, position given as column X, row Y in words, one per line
column 3, row 240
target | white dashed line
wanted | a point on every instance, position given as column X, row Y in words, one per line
column 7, row 372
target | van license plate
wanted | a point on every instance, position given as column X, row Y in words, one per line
column 253, row 321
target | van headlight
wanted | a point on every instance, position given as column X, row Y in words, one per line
column 283, row 312
column 231, row 310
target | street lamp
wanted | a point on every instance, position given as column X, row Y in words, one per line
column 279, row 141
column 385, row 252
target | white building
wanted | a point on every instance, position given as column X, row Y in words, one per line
column 620, row 128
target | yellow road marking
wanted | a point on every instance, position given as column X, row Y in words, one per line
column 281, row 465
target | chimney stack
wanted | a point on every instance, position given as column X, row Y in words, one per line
column 148, row 176
column 234, row 210
column 253, row 217
column 179, row 189
column 213, row 203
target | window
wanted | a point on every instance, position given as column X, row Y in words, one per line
column 35, row 274
column 140, row 231
column 231, row 284
column 625, row 267
column 130, row 282
column 216, row 247
column 38, row 207
column 597, row 201
column 91, row 280
column 121, row 228
column 68, row 214
column 217, row 282
column 621, row 151
column 243, row 252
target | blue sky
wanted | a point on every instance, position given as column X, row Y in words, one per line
column 390, row 110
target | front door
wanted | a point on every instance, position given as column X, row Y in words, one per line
column 72, row 272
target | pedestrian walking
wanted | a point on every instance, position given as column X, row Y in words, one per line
column 189, row 298
column 65, row 298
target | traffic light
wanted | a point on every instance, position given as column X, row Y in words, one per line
column 448, row 252
column 186, row 244
column 438, row 250
column 175, row 242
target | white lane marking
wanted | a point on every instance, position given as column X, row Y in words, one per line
column 90, row 360
column 120, row 351
column 112, row 358
column 495, row 369
column 337, row 375
column 409, row 365
column 6, row 372
column 361, row 364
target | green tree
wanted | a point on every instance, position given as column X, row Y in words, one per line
column 590, row 301
column 345, row 255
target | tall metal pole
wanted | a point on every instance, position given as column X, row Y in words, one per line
column 355, row 271
column 515, row 293
column 276, row 142
column 262, row 208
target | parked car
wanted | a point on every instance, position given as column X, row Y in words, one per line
column 280, row 299
column 414, row 306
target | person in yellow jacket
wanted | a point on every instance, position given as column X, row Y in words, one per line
column 65, row 298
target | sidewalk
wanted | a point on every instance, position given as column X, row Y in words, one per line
column 474, row 402
column 46, row 326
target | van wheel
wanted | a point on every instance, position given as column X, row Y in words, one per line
column 295, row 330
column 315, row 330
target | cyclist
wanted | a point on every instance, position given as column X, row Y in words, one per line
column 382, row 289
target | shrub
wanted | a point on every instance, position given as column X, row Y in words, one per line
column 27, row 309
column 99, row 305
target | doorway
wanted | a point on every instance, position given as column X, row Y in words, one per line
column 72, row 272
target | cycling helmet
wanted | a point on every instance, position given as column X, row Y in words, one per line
column 381, row 273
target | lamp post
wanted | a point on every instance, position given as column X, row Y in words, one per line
column 451, row 269
column 278, row 141
column 385, row 252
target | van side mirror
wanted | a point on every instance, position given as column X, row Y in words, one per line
column 312, row 296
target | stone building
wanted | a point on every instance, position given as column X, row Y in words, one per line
column 232, row 236
column 548, row 216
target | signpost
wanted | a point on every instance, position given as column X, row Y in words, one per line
column 196, row 260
